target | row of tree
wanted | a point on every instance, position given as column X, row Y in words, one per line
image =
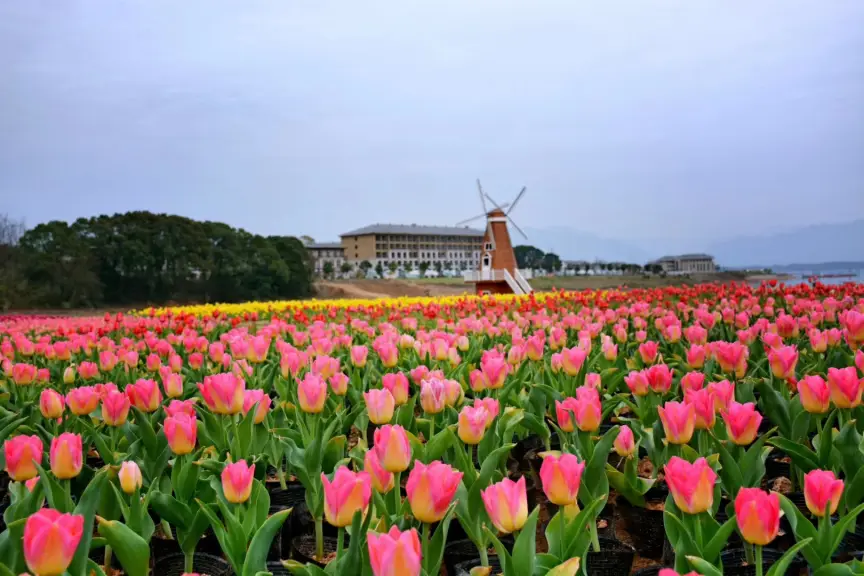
column 141, row 258
column 536, row 259
column 362, row 270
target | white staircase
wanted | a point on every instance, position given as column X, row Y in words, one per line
column 523, row 283
column 514, row 285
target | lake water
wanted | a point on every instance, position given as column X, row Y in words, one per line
column 856, row 275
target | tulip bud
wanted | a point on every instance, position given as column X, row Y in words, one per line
column 181, row 431
column 51, row 404
column 237, row 481
column 492, row 408
column 638, row 383
column 758, row 515
column 814, row 394
column 507, row 504
column 382, row 480
column 679, row 421
column 397, row 384
column 561, row 477
column 82, row 400
column 50, row 541
column 145, row 395
column 22, row 453
column 69, row 375
column 223, row 393
column 845, row 387
column 130, row 477
column 472, row 425
column 256, row 397
column 742, row 422
column 379, row 406
column 624, row 444
column 312, row 394
column 393, row 448
column 431, row 489
column 822, row 490
column 691, row 485
column 433, row 396
column 348, row 493
column 115, row 408
column 66, row 456
column 339, row 383
column 395, row 553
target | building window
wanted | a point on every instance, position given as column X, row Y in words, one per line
column 486, row 260
column 488, row 246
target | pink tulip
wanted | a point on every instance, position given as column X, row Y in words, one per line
column 173, row 384
column 237, row 481
column 431, row 489
column 433, row 396
column 731, row 356
column 88, row 370
column 50, row 541
column 814, row 394
column 758, row 515
column 22, row 454
column 724, row 394
column 223, row 393
column 312, row 394
column 382, row 480
column 359, row 355
column 783, row 361
column 144, row 395
column 256, row 397
column 691, row 485
column 859, row 361
column 23, row 374
column 379, row 406
column 153, row 363
column 387, row 352
column 181, row 431
column 572, row 360
column 853, row 324
column 339, row 383
column 818, row 340
column 561, row 477
column 592, row 379
column 196, row 360
column 679, row 421
column 107, row 360
column 638, row 383
column 393, row 448
column 506, row 504
column 822, row 490
column 130, row 477
column 742, row 422
column 693, row 381
column 492, row 408
column 648, row 352
column 394, row 553
column 845, row 387
column 82, row 400
column 495, row 372
column 348, row 493
column 609, row 350
column 472, row 424
column 587, row 410
column 51, row 404
column 66, row 455
column 703, row 405
column 181, row 407
column 398, row 386
column 624, row 445
column 564, row 415
column 419, row 374
column 659, row 378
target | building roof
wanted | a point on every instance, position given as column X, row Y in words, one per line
column 325, row 246
column 682, row 257
column 415, row 230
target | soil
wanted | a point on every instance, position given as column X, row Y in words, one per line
column 655, row 505
column 375, row 289
column 306, row 546
column 782, row 485
column 645, row 468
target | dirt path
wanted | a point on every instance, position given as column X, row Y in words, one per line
column 372, row 289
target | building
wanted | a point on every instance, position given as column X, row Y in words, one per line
column 455, row 248
column 321, row 253
column 686, row 264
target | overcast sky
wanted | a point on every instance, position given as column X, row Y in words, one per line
column 628, row 119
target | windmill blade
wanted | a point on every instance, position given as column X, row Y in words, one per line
column 462, row 223
column 517, row 228
column 498, row 206
column 516, row 201
column 482, row 200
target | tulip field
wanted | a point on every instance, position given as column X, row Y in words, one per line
column 710, row 429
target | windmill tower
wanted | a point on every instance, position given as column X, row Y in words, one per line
column 497, row 272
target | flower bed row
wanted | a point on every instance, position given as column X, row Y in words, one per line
column 713, row 429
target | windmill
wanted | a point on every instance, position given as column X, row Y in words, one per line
column 497, row 272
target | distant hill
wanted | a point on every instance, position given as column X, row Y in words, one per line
column 818, row 243
column 835, row 246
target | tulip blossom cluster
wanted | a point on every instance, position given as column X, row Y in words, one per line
column 391, row 421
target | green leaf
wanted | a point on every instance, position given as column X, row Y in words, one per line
column 752, row 464
column 803, row 457
column 333, row 453
column 703, row 566
column 730, row 473
column 256, row 556
column 803, row 530
column 54, row 492
column 188, row 537
column 87, row 508
column 782, row 565
column 834, row 570
column 577, row 537
column 842, row 527
column 712, row 549
column 169, row 508
column 855, row 489
column 525, row 548
column 775, row 407
column 223, row 536
column 11, row 427
column 436, row 544
column 93, row 569
column 303, row 570
column 132, row 551
column 439, row 444
column 145, row 429
column 503, row 555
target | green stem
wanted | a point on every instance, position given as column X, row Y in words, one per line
column 562, row 525
column 188, row 561
column 697, row 530
column 397, row 493
column 484, row 556
column 431, row 426
column 319, row 539
column 107, row 559
column 166, row 529
column 340, row 536
column 595, row 541
column 236, row 439
column 758, row 560
column 281, row 475
column 426, row 544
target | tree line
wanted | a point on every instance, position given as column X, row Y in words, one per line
column 141, row 258
column 536, row 259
